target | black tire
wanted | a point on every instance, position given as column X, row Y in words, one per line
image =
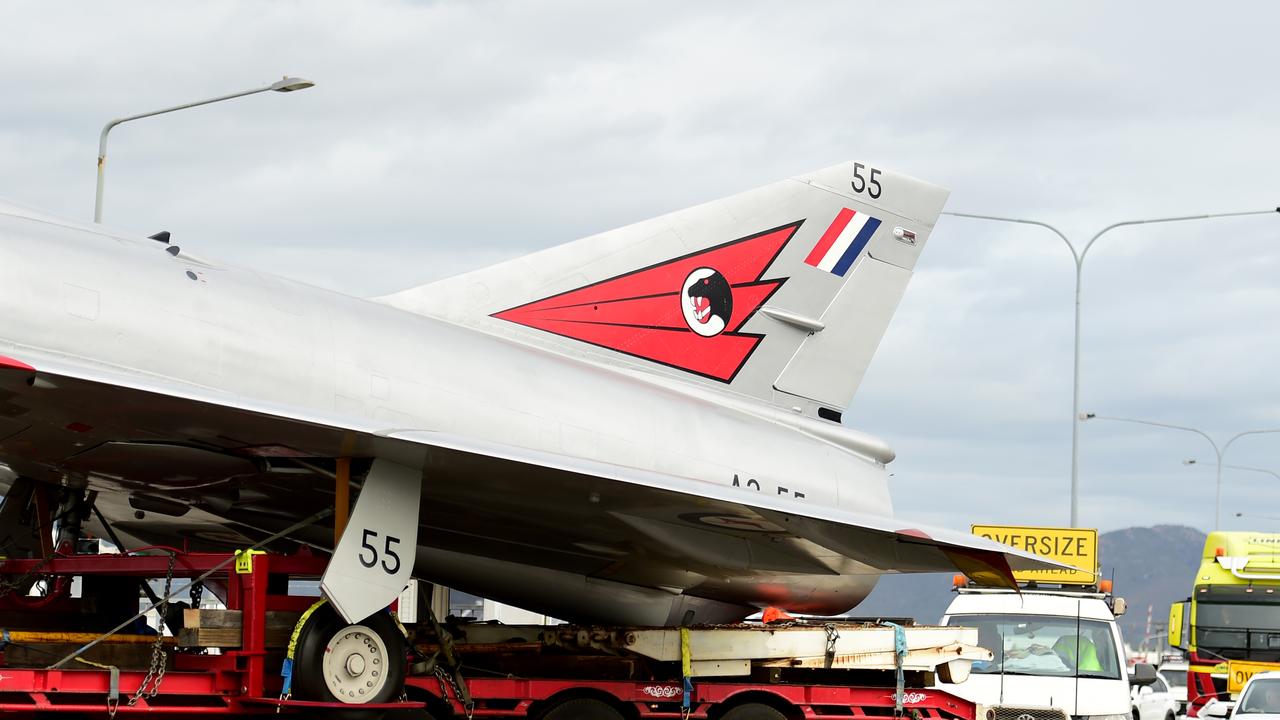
column 583, row 709
column 1135, row 714
column 326, row 626
column 753, row 711
column 1167, row 716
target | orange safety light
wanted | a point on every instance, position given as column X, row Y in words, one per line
column 1219, row 551
column 959, row 580
column 1104, row 586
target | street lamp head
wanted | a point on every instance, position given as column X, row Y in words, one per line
column 289, row 84
column 1087, row 416
column 1189, row 461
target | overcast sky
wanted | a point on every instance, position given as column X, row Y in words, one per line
column 441, row 137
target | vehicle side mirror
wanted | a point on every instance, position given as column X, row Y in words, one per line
column 1177, row 611
column 1143, row 674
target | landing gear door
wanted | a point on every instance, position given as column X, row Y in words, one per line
column 374, row 559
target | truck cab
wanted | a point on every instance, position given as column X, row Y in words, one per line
column 1230, row 624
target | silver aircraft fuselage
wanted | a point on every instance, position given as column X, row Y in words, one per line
column 125, row 304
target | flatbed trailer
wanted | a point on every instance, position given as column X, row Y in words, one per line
column 806, row 669
column 739, row 672
column 601, row 700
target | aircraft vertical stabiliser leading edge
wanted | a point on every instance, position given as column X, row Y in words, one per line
column 638, row 427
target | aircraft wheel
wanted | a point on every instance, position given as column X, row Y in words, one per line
column 754, row 711
column 353, row 664
column 583, row 709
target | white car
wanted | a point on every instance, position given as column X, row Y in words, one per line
column 1154, row 701
column 1260, row 698
column 1174, row 673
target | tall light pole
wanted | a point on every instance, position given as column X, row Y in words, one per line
column 1079, row 256
column 1219, row 450
column 1260, row 517
column 1276, row 475
column 1253, row 469
column 288, row 84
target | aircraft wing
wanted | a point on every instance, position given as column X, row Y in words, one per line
column 164, row 441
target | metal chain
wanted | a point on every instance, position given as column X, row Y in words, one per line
column 444, row 688
column 442, row 675
column 158, row 660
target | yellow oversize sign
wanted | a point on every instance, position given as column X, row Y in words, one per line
column 1077, row 547
column 1239, row 672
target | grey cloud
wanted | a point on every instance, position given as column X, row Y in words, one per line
column 444, row 136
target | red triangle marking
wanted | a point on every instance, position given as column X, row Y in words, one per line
column 639, row 313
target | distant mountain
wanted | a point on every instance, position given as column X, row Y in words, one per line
column 1152, row 567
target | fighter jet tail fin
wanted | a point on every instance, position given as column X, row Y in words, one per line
column 781, row 293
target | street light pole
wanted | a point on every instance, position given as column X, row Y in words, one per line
column 1078, row 257
column 1254, row 469
column 288, row 84
column 1219, row 451
column 1260, row 517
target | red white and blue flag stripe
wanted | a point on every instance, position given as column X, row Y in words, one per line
column 842, row 242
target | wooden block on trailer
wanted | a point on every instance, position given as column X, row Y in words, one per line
column 211, row 618
column 223, row 628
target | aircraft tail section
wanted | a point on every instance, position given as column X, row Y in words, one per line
column 781, row 293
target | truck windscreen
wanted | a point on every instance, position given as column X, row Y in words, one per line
column 1044, row 645
column 1238, row 630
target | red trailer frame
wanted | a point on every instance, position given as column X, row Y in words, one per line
column 516, row 697
column 236, row 681
column 239, row 682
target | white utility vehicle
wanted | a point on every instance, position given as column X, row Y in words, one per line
column 1158, row 701
column 1057, row 649
column 1174, row 673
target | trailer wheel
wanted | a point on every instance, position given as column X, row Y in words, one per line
column 583, row 709
column 353, row 664
column 753, row 711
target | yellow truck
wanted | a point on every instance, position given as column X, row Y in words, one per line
column 1230, row 625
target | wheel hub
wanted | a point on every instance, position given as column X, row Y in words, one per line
column 355, row 664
